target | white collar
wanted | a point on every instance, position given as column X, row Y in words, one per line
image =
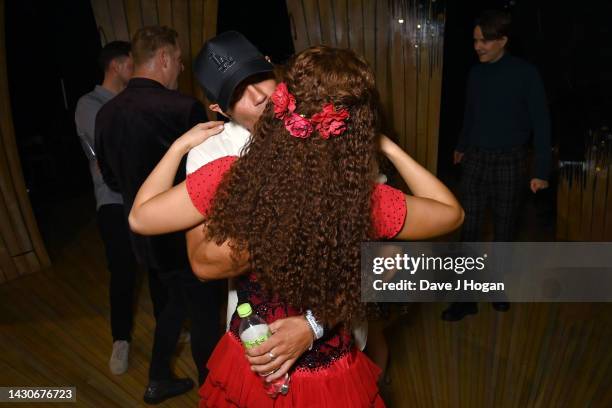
column 233, row 129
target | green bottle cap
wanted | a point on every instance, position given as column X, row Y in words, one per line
column 244, row 310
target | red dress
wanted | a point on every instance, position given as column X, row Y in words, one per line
column 334, row 373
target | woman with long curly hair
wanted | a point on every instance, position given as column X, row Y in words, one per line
column 290, row 215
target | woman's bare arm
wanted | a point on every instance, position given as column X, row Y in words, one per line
column 160, row 208
column 432, row 210
column 210, row 261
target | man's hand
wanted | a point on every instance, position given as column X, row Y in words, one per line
column 291, row 337
column 457, row 157
column 538, row 184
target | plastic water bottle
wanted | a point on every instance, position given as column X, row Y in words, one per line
column 253, row 331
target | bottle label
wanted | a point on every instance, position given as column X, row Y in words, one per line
column 256, row 342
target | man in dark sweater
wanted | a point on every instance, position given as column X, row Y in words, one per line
column 505, row 106
column 133, row 132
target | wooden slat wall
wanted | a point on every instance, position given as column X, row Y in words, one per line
column 562, row 208
column 608, row 211
column 22, row 250
column 584, row 196
column 406, row 57
column 119, row 20
column 194, row 20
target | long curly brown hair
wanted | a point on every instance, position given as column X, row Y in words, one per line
column 301, row 207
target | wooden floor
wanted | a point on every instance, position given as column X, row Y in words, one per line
column 535, row 355
column 54, row 331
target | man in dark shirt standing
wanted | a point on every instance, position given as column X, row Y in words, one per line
column 505, row 105
column 133, row 131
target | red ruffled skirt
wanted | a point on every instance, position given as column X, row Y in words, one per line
column 348, row 382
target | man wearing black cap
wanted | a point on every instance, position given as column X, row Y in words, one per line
column 133, row 132
column 236, row 76
column 238, row 79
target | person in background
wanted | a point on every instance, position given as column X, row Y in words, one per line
column 115, row 61
column 133, row 132
column 505, row 106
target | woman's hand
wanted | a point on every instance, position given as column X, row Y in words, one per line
column 196, row 135
column 291, row 337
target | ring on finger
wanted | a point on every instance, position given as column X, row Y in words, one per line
column 271, row 355
column 270, row 373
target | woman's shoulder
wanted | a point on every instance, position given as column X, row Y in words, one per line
column 388, row 211
column 216, row 166
column 202, row 184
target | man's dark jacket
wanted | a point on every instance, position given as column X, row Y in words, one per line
column 133, row 131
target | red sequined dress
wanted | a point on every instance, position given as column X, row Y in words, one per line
column 334, row 373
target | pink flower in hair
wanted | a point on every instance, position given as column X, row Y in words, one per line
column 330, row 122
column 284, row 102
column 298, row 126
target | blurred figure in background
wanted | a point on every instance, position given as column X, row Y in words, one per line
column 116, row 62
column 133, row 132
column 505, row 105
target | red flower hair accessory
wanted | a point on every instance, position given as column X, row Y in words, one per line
column 328, row 122
column 298, row 126
column 284, row 102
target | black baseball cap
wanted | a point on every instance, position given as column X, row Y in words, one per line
column 223, row 62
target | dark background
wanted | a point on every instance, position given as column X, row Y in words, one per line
column 52, row 48
column 571, row 45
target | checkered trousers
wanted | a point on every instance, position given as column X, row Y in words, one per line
column 497, row 179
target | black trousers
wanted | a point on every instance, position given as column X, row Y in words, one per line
column 497, row 179
column 201, row 302
column 123, row 269
column 122, row 266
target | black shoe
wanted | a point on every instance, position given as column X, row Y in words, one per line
column 159, row 391
column 501, row 306
column 457, row 311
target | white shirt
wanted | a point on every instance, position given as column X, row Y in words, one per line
column 229, row 142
